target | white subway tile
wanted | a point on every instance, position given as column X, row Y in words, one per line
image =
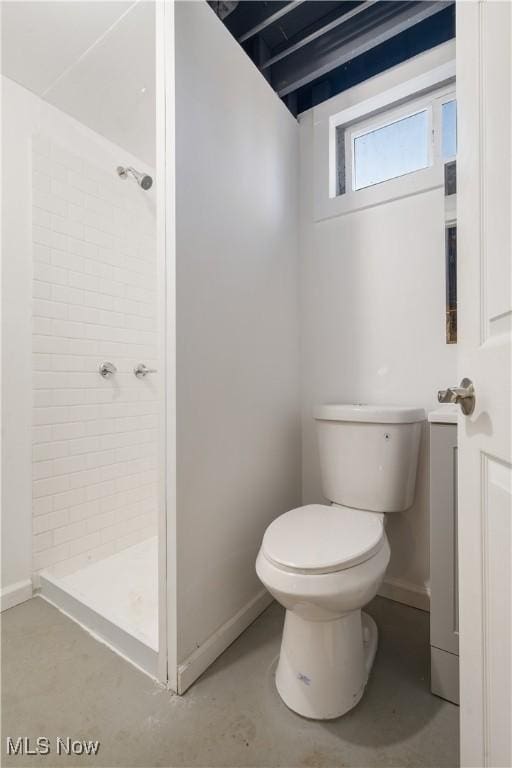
column 42, row 164
column 66, row 192
column 83, row 412
column 84, row 543
column 83, row 249
column 41, row 362
column 41, row 434
column 42, row 469
column 98, row 522
column 67, row 295
column 67, row 363
column 85, row 478
column 68, row 465
column 42, row 541
column 69, row 532
column 68, row 329
column 51, row 521
column 43, row 398
column 100, row 426
column 49, row 202
column 41, row 253
column 69, row 498
column 69, row 397
column 68, row 431
column 96, row 236
column 50, row 486
column 67, row 260
column 65, row 158
column 42, row 326
column 49, row 380
column 84, row 511
column 50, row 274
column 46, row 451
column 43, row 308
column 79, row 181
column 41, row 218
column 98, row 490
column 41, row 290
column 86, row 282
column 50, row 344
column 49, row 415
column 50, row 556
column 65, row 226
column 43, row 505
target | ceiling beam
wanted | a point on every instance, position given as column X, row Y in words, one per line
column 297, row 72
column 318, row 33
column 270, row 20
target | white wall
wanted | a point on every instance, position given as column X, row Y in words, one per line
column 94, row 281
column 92, row 60
column 238, row 428
column 17, row 119
column 373, row 330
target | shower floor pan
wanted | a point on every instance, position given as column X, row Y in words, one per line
column 116, row 599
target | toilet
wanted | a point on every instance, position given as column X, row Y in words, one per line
column 324, row 563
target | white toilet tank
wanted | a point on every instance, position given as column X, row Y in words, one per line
column 369, row 455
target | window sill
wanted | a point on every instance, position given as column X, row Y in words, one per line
column 379, row 194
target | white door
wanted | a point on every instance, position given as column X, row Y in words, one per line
column 484, row 85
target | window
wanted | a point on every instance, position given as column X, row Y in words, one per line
column 392, row 150
column 449, row 121
column 451, row 283
column 449, row 152
column 398, row 150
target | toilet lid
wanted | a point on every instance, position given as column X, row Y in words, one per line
column 321, row 539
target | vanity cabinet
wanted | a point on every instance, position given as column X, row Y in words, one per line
column 444, row 628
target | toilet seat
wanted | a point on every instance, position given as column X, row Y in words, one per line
column 319, row 539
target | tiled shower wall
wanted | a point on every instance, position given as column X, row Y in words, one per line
column 94, row 299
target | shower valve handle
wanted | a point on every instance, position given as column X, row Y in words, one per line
column 107, row 369
column 142, row 370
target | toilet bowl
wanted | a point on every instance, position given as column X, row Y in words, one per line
column 324, row 563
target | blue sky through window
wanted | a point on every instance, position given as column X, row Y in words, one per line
column 395, row 149
column 449, row 129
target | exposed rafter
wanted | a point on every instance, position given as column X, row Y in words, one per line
column 318, row 33
column 309, row 50
column 270, row 20
column 292, row 73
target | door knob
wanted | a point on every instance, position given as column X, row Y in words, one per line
column 142, row 370
column 463, row 395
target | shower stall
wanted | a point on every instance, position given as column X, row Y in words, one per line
column 88, row 121
column 151, row 316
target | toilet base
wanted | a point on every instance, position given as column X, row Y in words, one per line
column 324, row 665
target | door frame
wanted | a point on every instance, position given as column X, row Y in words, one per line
column 166, row 258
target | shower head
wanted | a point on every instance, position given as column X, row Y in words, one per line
column 142, row 179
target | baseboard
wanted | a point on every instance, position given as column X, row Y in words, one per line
column 117, row 639
column 405, row 592
column 200, row 660
column 15, row 594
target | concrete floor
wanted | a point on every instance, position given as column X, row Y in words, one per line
column 58, row 681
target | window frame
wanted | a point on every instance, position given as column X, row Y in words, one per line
column 431, row 73
column 429, row 177
column 446, row 100
column 363, row 128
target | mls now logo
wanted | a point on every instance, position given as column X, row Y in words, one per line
column 42, row 746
